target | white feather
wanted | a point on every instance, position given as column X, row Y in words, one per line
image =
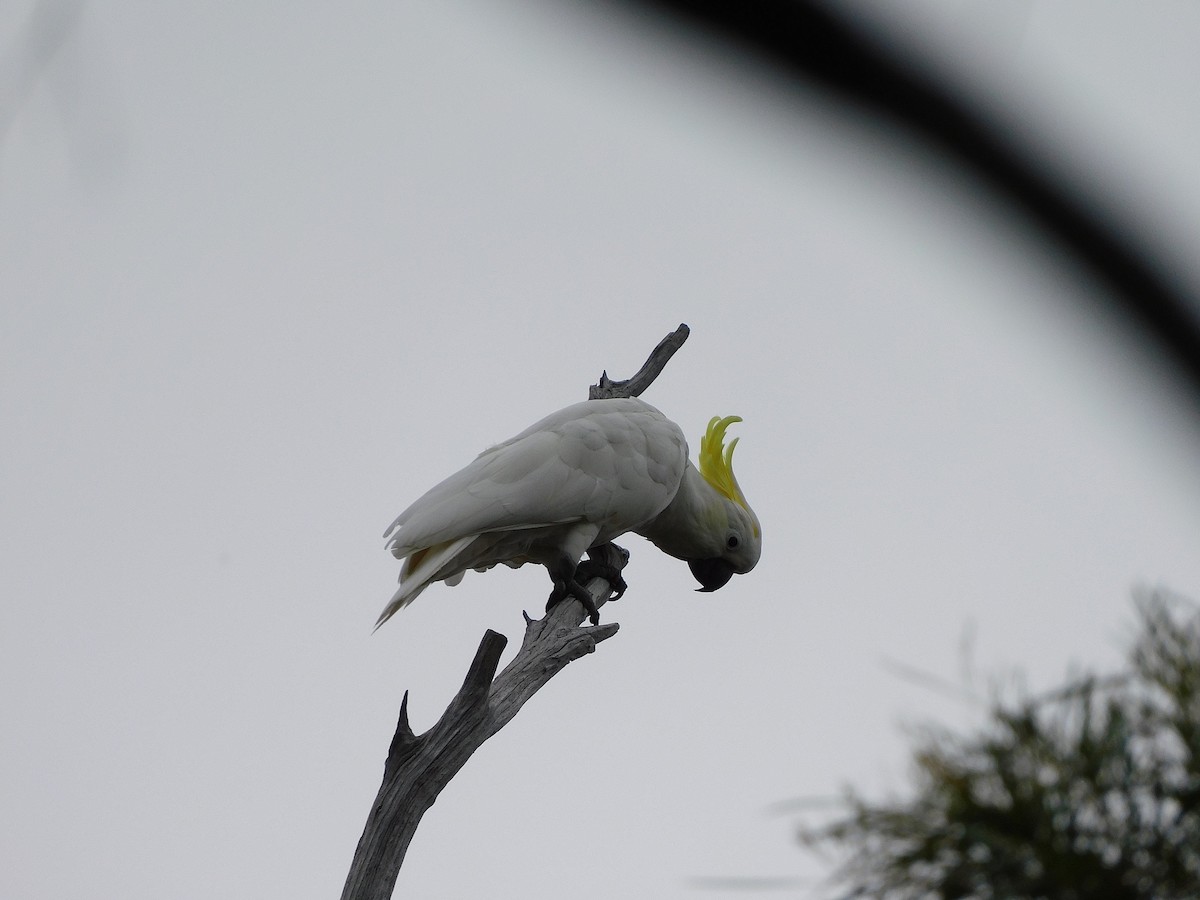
column 578, row 478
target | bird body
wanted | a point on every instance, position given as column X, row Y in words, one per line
column 575, row 480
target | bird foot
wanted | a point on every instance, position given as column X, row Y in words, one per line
column 592, row 568
column 569, row 578
column 572, row 588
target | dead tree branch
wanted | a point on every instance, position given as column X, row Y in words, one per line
column 418, row 767
column 633, row 387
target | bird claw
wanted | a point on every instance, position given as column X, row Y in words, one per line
column 591, row 568
column 573, row 588
column 569, row 578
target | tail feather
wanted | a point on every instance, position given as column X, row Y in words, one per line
column 419, row 571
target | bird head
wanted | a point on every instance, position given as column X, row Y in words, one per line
column 734, row 526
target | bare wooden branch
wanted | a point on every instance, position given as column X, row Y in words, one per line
column 633, row 387
column 419, row 766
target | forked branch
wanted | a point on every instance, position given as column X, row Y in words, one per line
column 419, row 766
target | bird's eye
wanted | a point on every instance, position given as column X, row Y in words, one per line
column 732, row 542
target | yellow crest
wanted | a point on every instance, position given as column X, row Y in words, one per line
column 716, row 460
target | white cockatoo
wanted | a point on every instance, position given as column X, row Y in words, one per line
column 575, row 480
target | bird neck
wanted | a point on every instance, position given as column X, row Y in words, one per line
column 691, row 527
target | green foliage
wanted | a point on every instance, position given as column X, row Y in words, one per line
column 1092, row 791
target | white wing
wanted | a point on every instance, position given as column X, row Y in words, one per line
column 614, row 462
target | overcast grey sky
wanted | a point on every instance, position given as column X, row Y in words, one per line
column 271, row 270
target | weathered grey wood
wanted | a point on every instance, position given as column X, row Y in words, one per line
column 418, row 767
column 634, row 386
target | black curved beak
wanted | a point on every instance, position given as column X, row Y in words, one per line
column 711, row 573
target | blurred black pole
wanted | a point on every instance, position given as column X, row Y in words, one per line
column 812, row 43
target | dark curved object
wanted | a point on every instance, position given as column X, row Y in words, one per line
column 810, row 42
column 713, row 574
